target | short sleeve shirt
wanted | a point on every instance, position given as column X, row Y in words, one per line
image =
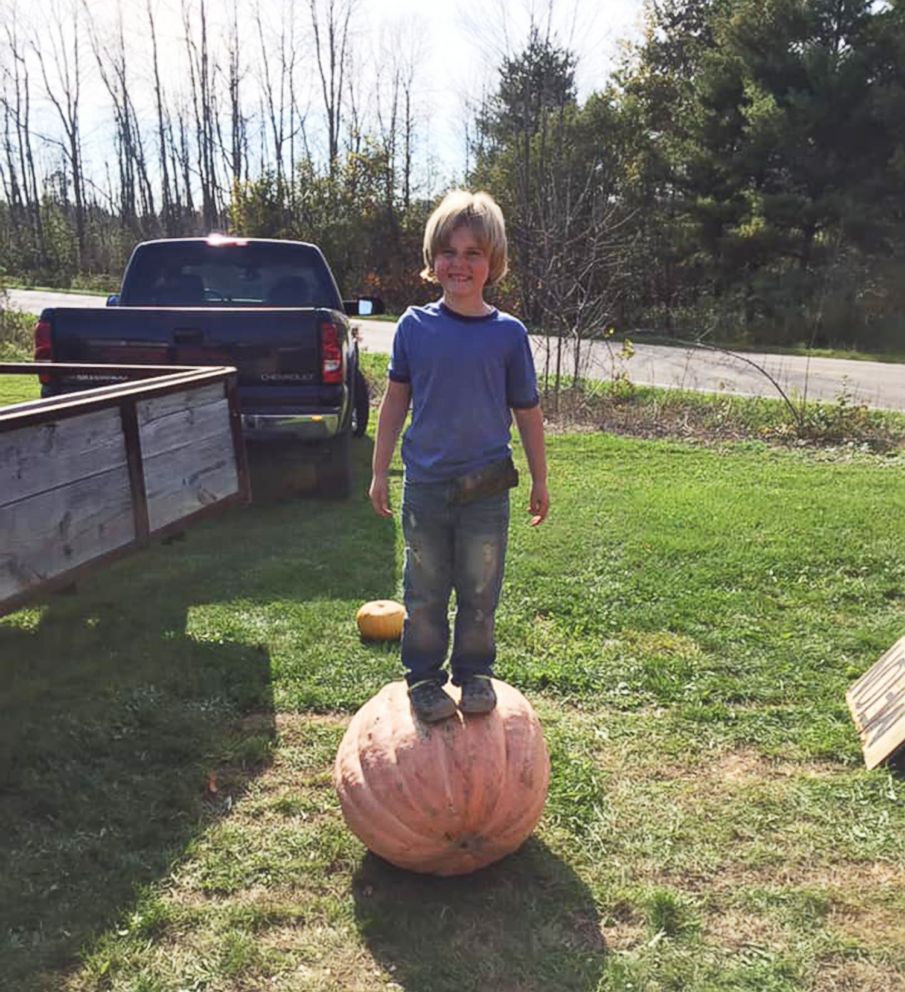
column 466, row 374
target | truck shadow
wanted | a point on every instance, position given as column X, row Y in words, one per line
column 280, row 471
column 137, row 710
column 292, row 470
column 526, row 922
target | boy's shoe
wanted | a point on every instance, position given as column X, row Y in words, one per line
column 430, row 702
column 477, row 695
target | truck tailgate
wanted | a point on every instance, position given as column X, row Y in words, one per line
column 268, row 347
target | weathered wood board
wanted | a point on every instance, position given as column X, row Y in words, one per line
column 877, row 704
column 88, row 478
column 56, row 531
column 64, row 497
column 188, row 453
column 44, row 456
column 185, row 479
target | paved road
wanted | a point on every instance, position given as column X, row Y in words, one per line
column 877, row 384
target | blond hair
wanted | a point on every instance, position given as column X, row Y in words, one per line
column 480, row 213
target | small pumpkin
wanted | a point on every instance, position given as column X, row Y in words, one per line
column 380, row 620
column 444, row 798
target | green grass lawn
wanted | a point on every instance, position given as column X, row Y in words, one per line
column 18, row 389
column 686, row 624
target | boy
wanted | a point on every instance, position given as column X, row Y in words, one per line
column 464, row 366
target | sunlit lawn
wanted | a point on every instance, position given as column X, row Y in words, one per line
column 686, row 624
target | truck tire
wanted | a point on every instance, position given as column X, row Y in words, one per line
column 334, row 469
column 361, row 404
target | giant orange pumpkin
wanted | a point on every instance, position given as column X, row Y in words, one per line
column 381, row 620
column 445, row 798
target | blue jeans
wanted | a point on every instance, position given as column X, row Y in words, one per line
column 450, row 547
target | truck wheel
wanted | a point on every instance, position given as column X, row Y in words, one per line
column 361, row 405
column 334, row 469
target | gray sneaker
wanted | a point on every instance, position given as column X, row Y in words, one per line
column 430, row 702
column 477, row 695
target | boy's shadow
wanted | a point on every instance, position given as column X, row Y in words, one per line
column 135, row 712
column 526, row 922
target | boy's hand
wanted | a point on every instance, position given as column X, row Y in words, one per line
column 379, row 494
column 539, row 506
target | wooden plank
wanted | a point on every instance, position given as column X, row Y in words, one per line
column 194, row 423
column 46, row 456
column 154, row 407
column 47, row 534
column 155, row 381
column 186, row 478
column 877, row 704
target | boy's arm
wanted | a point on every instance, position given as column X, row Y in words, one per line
column 392, row 414
column 531, row 428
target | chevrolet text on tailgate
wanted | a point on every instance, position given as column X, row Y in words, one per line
column 270, row 308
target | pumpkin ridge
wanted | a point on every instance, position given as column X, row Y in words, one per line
column 492, row 793
column 399, row 714
column 440, row 749
column 521, row 751
column 489, row 752
column 372, row 815
column 502, row 790
column 400, row 711
column 420, row 826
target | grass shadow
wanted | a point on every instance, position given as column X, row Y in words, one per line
column 525, row 923
column 112, row 759
column 282, row 470
column 125, row 731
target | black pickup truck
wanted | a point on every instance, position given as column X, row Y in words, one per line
column 270, row 308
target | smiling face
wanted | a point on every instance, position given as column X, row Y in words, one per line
column 462, row 268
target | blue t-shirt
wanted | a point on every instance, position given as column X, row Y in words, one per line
column 465, row 373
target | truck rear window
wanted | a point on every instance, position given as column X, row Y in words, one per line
column 200, row 274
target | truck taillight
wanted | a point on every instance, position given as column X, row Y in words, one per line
column 43, row 347
column 331, row 354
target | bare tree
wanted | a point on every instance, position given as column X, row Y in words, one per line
column 168, row 194
column 408, row 128
column 237, row 158
column 136, row 193
column 395, row 107
column 204, row 107
column 277, row 83
column 354, row 127
column 182, row 161
column 330, row 22
column 577, row 269
column 21, row 180
column 61, row 70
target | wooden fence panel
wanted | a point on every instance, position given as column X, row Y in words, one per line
column 53, row 532
column 188, row 453
column 40, row 457
column 189, row 477
column 87, row 476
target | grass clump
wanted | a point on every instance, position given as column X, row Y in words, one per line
column 16, row 330
column 622, row 408
column 669, row 914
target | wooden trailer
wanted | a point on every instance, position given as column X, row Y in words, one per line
column 89, row 476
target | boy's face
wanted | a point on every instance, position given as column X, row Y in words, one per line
column 462, row 268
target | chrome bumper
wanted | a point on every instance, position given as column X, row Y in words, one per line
column 307, row 426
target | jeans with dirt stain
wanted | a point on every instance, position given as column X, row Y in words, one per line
column 448, row 548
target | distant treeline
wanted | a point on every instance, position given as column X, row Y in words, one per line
column 740, row 177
